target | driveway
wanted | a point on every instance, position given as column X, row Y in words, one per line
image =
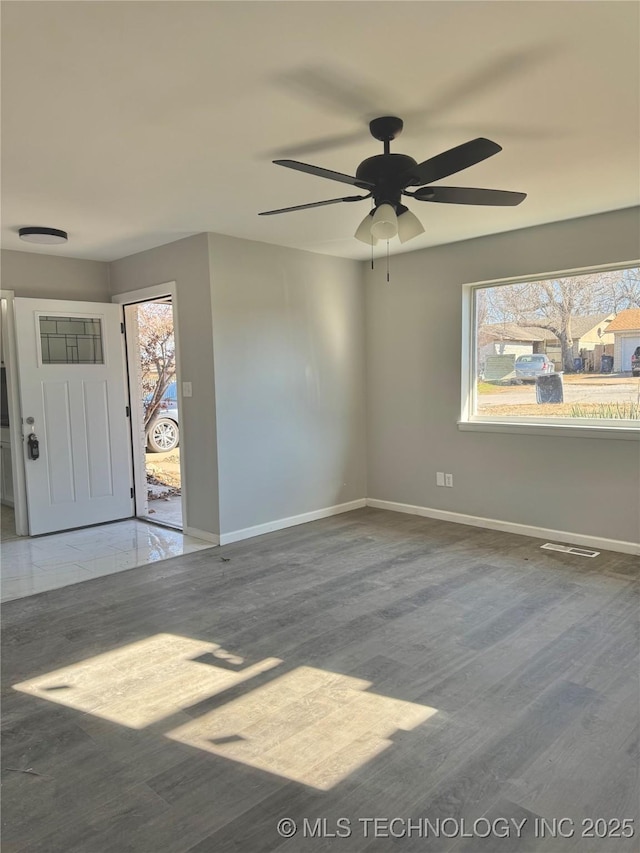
column 165, row 503
column 609, row 388
column 164, row 466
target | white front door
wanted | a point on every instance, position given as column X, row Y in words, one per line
column 73, row 399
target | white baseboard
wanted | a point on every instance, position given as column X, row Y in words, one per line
column 280, row 523
column 201, row 534
column 564, row 536
column 511, row 527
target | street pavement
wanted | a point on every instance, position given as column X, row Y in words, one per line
column 576, row 389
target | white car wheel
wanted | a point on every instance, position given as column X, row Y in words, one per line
column 164, row 435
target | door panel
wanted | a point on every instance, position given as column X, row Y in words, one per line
column 56, row 438
column 72, row 383
column 96, row 413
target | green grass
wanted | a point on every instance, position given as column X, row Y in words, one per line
column 611, row 411
column 491, row 387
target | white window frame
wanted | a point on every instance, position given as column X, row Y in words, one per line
column 570, row 427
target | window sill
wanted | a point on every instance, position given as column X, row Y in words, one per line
column 626, row 432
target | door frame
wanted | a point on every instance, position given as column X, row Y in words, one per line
column 15, row 414
column 131, row 297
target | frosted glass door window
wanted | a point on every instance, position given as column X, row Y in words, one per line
column 71, row 340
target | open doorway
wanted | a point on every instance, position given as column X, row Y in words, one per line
column 13, row 498
column 155, row 417
column 7, row 511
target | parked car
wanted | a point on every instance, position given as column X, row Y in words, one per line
column 635, row 362
column 530, row 366
column 163, row 433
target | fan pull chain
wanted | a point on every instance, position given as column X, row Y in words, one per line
column 372, row 241
column 388, row 261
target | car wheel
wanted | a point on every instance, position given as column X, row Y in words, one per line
column 163, row 435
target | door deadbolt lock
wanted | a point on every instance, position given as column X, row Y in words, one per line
column 33, row 447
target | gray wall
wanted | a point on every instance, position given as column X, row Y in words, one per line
column 187, row 263
column 583, row 485
column 289, row 355
column 51, row 277
column 290, row 331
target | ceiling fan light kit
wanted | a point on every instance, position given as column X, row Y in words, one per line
column 387, row 177
column 384, row 222
column 409, row 226
column 363, row 232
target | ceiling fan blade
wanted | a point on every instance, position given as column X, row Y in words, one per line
column 314, row 204
column 451, row 161
column 469, row 195
column 326, row 173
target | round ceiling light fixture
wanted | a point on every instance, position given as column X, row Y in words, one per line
column 43, row 235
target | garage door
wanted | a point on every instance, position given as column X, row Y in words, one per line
column 628, row 345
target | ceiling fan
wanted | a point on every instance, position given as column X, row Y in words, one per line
column 387, row 177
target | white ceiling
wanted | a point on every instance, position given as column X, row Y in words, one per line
column 132, row 124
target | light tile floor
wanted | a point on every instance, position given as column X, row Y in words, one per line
column 32, row 565
column 7, row 523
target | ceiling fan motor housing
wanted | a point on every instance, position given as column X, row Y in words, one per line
column 385, row 178
column 386, row 172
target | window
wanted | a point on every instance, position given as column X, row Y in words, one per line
column 71, row 340
column 558, row 350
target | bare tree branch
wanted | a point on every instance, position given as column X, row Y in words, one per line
column 157, row 354
column 553, row 304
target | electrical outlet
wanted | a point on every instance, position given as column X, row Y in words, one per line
column 439, row 478
column 448, row 480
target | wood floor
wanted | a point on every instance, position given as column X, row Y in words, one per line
column 369, row 665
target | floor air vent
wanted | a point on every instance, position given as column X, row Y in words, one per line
column 569, row 549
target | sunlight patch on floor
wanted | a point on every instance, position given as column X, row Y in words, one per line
column 309, row 725
column 144, row 682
